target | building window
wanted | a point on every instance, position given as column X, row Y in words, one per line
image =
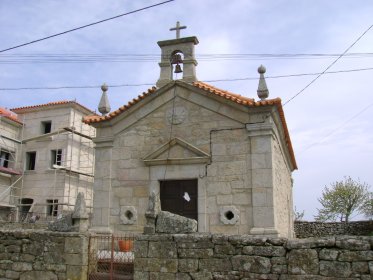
column 4, row 159
column 56, row 157
column 52, row 207
column 46, row 127
column 30, row 160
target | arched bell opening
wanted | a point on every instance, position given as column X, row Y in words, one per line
column 177, row 68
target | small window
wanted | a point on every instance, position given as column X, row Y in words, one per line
column 46, row 127
column 56, row 157
column 30, row 160
column 4, row 159
column 52, row 207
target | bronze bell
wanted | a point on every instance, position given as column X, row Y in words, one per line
column 178, row 69
column 176, row 59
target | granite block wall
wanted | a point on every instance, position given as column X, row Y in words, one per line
column 207, row 256
column 43, row 255
column 305, row 229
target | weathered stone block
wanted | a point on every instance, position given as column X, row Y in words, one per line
column 360, row 267
column 247, row 240
column 183, row 276
column 188, row 265
column 162, row 250
column 350, row 256
column 140, row 275
column 21, row 266
column 195, row 253
column 140, row 249
column 76, row 272
column 267, row 251
column 328, row 254
column 40, row 275
column 10, row 274
column 214, row 265
column 204, row 275
column 279, row 269
column 334, row 268
column 13, row 249
column 171, row 223
column 162, row 265
column 352, row 243
column 251, row 264
column 303, row 261
column 310, row 243
column 161, row 276
column 225, row 249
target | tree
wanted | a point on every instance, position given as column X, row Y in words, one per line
column 342, row 199
column 367, row 208
column 298, row 216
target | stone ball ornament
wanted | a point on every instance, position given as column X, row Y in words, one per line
column 261, row 69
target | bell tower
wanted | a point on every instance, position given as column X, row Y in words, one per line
column 179, row 51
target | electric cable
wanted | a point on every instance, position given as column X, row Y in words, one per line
column 84, row 26
column 208, row 81
column 327, row 68
column 336, row 129
column 47, row 58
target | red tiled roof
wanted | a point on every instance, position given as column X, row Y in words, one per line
column 9, row 115
column 226, row 94
column 96, row 118
column 62, row 102
column 10, row 171
column 239, row 99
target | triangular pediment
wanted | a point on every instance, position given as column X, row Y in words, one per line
column 177, row 151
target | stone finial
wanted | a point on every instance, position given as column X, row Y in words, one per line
column 104, row 105
column 262, row 87
column 80, row 215
column 80, row 209
column 154, row 207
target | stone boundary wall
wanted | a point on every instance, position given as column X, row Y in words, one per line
column 43, row 255
column 206, row 256
column 315, row 229
column 18, row 226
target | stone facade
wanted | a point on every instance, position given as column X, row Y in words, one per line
column 317, row 229
column 238, row 150
column 50, row 180
column 214, row 256
column 42, row 255
column 10, row 128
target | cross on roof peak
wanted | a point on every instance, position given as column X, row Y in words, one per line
column 178, row 28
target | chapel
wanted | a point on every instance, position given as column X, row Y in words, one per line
column 220, row 158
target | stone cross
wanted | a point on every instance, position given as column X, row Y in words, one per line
column 177, row 28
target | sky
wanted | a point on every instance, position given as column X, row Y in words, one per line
column 330, row 122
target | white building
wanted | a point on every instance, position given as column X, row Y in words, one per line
column 55, row 158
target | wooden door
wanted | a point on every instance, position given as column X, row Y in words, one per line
column 180, row 197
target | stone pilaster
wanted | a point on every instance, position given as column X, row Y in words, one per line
column 262, row 179
column 102, row 185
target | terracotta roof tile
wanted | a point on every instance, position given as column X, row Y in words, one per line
column 9, row 115
column 62, row 102
column 96, row 119
column 224, row 93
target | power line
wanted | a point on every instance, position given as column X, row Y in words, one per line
column 84, row 26
column 217, row 80
column 336, row 129
column 47, row 58
column 327, row 68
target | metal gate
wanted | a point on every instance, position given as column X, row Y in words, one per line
column 110, row 257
